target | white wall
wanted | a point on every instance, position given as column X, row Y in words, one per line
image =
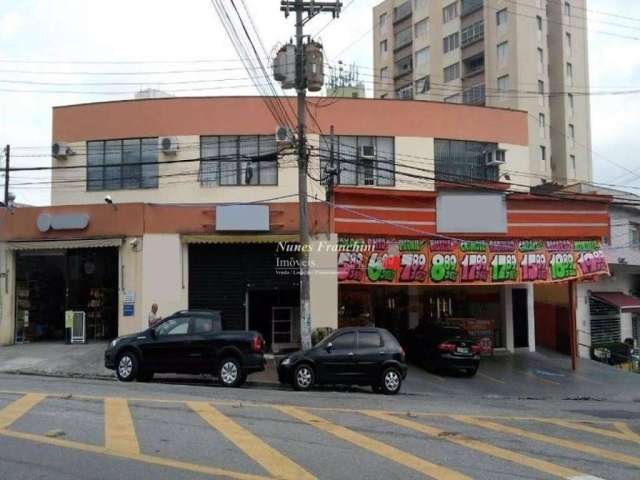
column 323, row 279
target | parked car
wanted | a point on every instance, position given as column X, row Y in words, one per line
column 187, row 342
column 614, row 353
column 442, row 347
column 349, row 356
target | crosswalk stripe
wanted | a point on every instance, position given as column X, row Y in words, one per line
column 627, row 432
column 119, row 431
column 504, row 454
column 17, row 408
column 589, row 429
column 391, row 453
column 273, row 461
column 560, row 442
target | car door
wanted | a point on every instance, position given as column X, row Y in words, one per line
column 370, row 355
column 168, row 352
column 202, row 352
column 338, row 364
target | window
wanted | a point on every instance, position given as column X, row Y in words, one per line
column 173, row 326
column 405, row 93
column 543, row 156
column 503, row 86
column 369, row 340
column 450, row 12
column 503, row 52
column 472, row 33
column 567, row 9
column 403, row 11
column 346, row 341
column 540, row 92
column 402, row 38
column 542, row 124
column 634, row 234
column 540, row 60
column 474, row 65
column 420, row 4
column 573, row 163
column 568, row 41
column 421, row 28
column 451, row 42
column 452, row 98
column 423, row 85
column 458, row 160
column 569, row 73
column 122, row 164
column 383, row 21
column 238, row 160
column 571, row 104
column 501, row 20
column 383, row 47
column 206, row 325
column 422, row 58
column 572, row 135
column 474, row 95
column 452, row 72
column 539, row 23
column 357, row 166
column 384, row 73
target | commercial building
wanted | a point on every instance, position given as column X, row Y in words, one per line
column 201, row 212
column 528, row 55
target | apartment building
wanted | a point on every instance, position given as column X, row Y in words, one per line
column 528, row 55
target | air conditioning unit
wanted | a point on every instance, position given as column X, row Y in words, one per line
column 284, row 135
column 168, row 145
column 493, row 158
column 61, row 151
column 367, row 151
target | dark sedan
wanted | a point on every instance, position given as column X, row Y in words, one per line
column 187, row 342
column 349, row 356
column 442, row 347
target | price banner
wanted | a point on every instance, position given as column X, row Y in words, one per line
column 442, row 262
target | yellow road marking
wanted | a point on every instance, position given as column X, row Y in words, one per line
column 379, row 448
column 511, row 456
column 484, row 375
column 628, row 433
column 620, row 435
column 119, row 431
column 560, row 442
column 164, row 462
column 273, row 461
column 18, row 408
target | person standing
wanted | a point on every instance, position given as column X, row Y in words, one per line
column 153, row 315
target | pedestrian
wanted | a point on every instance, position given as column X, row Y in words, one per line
column 153, row 315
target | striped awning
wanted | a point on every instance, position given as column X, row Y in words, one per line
column 65, row 244
column 239, row 238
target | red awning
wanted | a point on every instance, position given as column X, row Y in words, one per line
column 626, row 303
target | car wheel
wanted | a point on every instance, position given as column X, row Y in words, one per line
column 230, row 373
column 303, row 377
column 391, row 381
column 127, row 367
column 144, row 377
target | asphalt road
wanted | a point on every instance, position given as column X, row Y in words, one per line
column 53, row 428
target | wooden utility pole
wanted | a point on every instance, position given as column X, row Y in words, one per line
column 7, row 159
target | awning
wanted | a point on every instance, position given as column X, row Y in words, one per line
column 626, row 303
column 65, row 244
column 239, row 238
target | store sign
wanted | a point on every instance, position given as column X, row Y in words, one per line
column 489, row 262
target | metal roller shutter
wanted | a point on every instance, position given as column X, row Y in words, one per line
column 605, row 322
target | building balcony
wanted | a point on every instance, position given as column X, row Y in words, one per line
column 470, row 6
column 402, row 12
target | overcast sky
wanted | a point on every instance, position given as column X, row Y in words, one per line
column 186, row 30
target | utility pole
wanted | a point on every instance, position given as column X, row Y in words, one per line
column 7, row 157
column 311, row 8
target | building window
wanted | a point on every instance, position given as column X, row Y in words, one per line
column 423, row 85
column 450, row 12
column 503, row 53
column 238, row 160
column 542, row 124
column 474, row 95
column 472, row 33
column 539, row 23
column 422, row 58
column 457, row 160
column 634, row 235
column 573, row 164
column 540, row 61
column 452, row 72
column 420, row 4
column 365, row 161
column 383, row 21
column 503, row 86
column 501, row 20
column 383, row 47
column 540, row 92
column 122, row 164
column 571, row 104
column 405, row 93
column 384, row 73
column 402, row 12
column 451, row 42
column 568, row 41
column 402, row 38
column 569, row 74
column 452, row 98
column 543, row 157
column 572, row 135
column 421, row 28
column 567, row 9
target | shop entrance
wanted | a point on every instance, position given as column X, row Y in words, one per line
column 276, row 315
column 51, row 282
column 520, row 318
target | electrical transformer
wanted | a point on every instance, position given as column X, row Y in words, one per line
column 314, row 66
column 284, row 66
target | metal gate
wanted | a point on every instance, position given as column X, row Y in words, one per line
column 605, row 322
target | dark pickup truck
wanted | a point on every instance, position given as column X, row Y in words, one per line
column 187, row 342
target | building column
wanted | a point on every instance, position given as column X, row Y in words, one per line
column 414, row 306
column 507, row 303
column 323, row 281
column 7, row 295
column 531, row 317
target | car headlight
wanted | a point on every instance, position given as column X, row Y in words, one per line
column 286, row 361
column 113, row 342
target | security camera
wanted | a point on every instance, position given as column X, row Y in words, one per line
column 108, row 199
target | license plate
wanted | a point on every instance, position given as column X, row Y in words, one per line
column 462, row 350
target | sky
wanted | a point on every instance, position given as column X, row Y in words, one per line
column 69, row 33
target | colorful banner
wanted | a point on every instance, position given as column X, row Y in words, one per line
column 487, row 262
